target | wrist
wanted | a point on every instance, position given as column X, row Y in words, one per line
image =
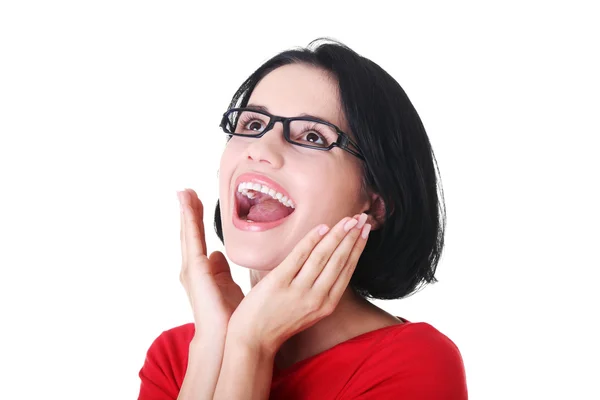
column 246, row 342
column 204, row 362
column 242, row 349
column 207, row 344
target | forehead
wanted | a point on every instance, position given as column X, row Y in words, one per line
column 295, row 89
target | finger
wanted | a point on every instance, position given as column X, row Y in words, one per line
column 184, row 273
column 182, row 232
column 322, row 252
column 290, row 266
column 337, row 261
column 340, row 285
column 193, row 237
column 199, row 208
column 220, row 265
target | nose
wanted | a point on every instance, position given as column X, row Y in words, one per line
column 268, row 148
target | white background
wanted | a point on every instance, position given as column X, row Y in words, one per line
column 106, row 108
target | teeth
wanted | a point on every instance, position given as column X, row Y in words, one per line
column 248, row 194
column 245, row 188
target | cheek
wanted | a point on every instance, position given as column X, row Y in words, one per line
column 334, row 187
column 226, row 167
column 232, row 153
column 320, row 187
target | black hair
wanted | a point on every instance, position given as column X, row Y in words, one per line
column 399, row 165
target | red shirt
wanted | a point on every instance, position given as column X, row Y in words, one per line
column 407, row 361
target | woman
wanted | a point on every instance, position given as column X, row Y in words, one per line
column 323, row 147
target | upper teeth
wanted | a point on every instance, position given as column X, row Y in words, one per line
column 245, row 187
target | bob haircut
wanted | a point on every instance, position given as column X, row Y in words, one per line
column 399, row 165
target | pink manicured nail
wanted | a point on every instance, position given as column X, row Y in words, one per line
column 361, row 220
column 365, row 231
column 323, row 230
column 350, row 224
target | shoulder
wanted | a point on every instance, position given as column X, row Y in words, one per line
column 172, row 345
column 422, row 340
column 416, row 359
column 422, row 349
column 420, row 346
column 166, row 362
column 179, row 336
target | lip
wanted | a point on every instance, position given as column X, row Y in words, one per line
column 256, row 226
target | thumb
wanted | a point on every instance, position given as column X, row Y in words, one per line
column 218, row 264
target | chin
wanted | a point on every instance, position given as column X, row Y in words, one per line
column 251, row 259
column 262, row 251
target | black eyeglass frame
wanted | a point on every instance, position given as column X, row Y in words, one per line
column 343, row 141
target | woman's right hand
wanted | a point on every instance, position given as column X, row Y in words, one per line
column 210, row 288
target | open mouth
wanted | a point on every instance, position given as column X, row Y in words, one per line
column 260, row 207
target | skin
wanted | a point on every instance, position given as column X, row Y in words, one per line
column 300, row 303
column 326, row 187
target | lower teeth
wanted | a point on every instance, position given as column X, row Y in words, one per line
column 249, row 220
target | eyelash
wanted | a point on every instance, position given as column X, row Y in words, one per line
column 247, row 119
column 315, row 130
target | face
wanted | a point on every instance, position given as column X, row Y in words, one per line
column 324, row 185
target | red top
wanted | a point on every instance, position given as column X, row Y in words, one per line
column 412, row 360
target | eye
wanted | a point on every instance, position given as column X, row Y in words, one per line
column 315, row 137
column 312, row 133
column 254, row 125
column 251, row 122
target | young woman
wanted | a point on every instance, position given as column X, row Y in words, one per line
column 329, row 196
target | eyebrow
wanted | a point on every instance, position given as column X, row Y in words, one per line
column 265, row 109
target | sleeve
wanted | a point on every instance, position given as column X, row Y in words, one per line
column 157, row 378
column 422, row 363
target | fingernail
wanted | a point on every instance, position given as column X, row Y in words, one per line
column 361, row 220
column 323, row 230
column 350, row 224
column 365, row 231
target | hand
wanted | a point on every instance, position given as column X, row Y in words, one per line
column 303, row 289
column 211, row 290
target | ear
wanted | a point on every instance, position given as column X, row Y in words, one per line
column 376, row 212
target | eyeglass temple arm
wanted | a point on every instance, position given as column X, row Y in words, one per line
column 344, row 144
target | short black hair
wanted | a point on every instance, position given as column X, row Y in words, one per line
column 399, row 165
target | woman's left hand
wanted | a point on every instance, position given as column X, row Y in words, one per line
column 303, row 289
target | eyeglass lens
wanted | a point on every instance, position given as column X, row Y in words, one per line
column 303, row 132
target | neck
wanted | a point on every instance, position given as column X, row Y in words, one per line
column 353, row 316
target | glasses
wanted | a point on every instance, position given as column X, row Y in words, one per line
column 307, row 132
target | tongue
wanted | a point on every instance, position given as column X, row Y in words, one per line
column 267, row 209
